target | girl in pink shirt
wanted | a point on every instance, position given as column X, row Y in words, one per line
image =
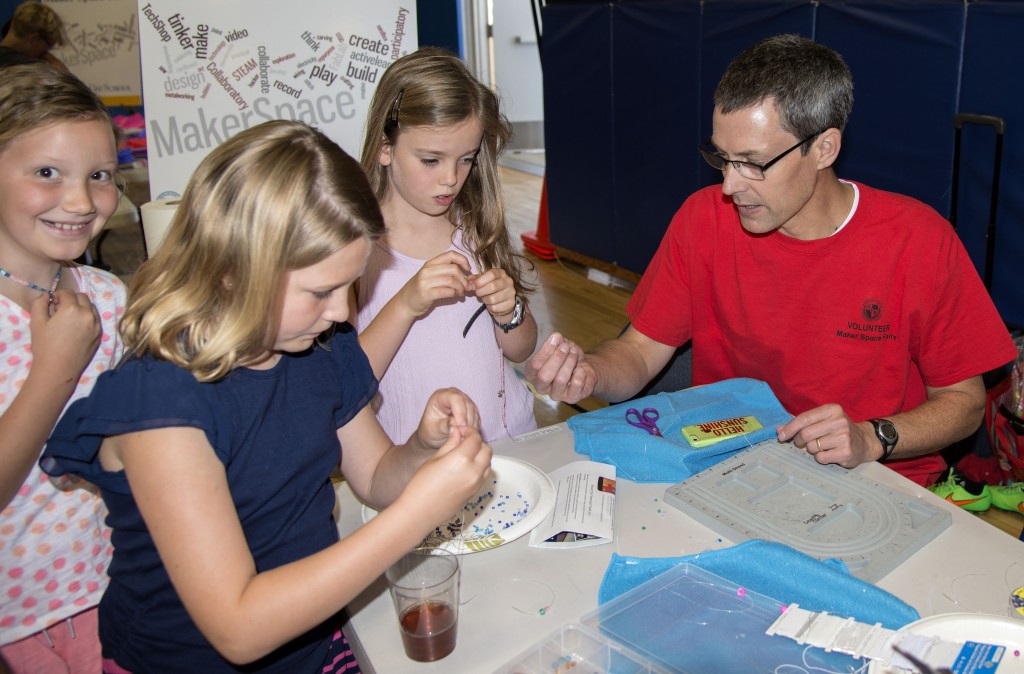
column 433, row 136
column 57, row 333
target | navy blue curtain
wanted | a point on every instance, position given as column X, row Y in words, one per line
column 579, row 129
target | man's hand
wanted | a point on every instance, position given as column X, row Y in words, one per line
column 830, row 436
column 559, row 370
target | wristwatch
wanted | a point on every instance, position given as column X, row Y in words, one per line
column 886, row 432
column 518, row 315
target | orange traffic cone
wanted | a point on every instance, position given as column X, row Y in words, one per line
column 537, row 241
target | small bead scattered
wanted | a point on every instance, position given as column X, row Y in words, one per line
column 742, row 592
column 543, row 611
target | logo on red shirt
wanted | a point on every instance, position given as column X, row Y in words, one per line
column 871, row 310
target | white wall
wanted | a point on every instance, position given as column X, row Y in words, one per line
column 510, row 61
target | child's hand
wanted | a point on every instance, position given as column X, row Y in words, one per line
column 65, row 335
column 495, row 289
column 444, row 482
column 440, row 278
column 447, row 409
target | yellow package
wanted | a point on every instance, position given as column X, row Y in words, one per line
column 702, row 435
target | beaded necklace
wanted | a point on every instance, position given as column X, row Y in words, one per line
column 33, row 286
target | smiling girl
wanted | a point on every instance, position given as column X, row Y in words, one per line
column 57, row 333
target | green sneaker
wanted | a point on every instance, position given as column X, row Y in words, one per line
column 1010, row 497
column 958, row 490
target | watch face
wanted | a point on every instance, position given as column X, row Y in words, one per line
column 517, row 313
column 887, row 430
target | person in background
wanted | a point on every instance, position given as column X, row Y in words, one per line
column 443, row 301
column 58, row 332
column 860, row 308
column 35, row 29
column 213, row 441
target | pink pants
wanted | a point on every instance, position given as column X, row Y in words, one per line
column 69, row 647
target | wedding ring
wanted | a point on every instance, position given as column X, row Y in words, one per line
column 817, row 441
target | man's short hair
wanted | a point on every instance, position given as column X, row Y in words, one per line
column 33, row 18
column 809, row 84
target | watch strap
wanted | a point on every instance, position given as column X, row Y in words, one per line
column 518, row 315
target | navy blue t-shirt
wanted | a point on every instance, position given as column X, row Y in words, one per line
column 275, row 432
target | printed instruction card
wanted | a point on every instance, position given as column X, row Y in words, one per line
column 584, row 507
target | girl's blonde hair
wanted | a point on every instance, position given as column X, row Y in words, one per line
column 274, row 198
column 432, row 87
column 37, row 95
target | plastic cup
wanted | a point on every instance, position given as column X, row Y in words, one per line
column 424, row 585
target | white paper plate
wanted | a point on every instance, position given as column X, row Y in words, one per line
column 514, row 498
column 980, row 627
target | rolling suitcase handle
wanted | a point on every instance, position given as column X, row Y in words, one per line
column 999, row 125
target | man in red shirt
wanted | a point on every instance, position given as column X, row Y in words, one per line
column 860, row 308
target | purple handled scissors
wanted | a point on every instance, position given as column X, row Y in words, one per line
column 647, row 420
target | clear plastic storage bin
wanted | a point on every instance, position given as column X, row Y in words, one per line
column 574, row 649
column 691, row 621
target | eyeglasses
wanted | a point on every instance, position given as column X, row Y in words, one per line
column 396, row 107
column 748, row 169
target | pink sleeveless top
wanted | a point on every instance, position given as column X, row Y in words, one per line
column 435, row 355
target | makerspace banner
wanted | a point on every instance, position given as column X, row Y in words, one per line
column 212, row 69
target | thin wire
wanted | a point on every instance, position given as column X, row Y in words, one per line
column 544, row 608
column 931, row 593
column 573, row 583
column 808, row 667
column 954, row 581
column 501, row 391
column 1006, row 577
column 742, row 603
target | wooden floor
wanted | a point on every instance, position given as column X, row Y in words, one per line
column 567, row 301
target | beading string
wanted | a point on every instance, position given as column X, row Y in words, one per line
column 33, row 286
column 501, row 391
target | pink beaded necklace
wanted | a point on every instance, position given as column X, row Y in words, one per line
column 33, row 286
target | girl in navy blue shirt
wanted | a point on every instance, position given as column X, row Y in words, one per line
column 243, row 387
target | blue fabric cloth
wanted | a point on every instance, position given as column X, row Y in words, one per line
column 605, row 436
column 274, row 430
column 777, row 571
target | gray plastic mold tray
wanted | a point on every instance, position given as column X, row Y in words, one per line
column 778, row 492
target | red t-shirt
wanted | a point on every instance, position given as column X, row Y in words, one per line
column 865, row 318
